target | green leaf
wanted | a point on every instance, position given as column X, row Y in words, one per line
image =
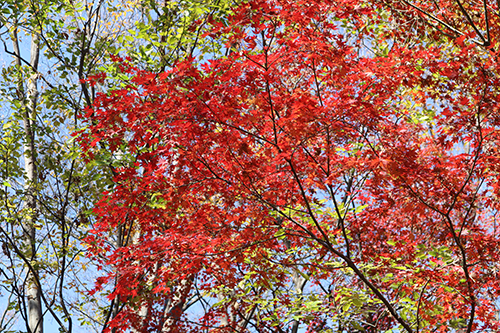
column 391, row 242
column 346, row 306
column 357, row 302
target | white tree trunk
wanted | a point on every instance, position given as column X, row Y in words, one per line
column 33, row 291
column 28, row 99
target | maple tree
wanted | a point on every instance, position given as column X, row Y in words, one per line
column 336, row 168
column 47, row 50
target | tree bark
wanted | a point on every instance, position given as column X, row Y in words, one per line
column 33, row 289
column 28, row 99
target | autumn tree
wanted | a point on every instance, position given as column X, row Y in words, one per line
column 335, row 169
column 49, row 49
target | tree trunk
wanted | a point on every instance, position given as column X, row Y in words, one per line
column 33, row 291
column 28, row 99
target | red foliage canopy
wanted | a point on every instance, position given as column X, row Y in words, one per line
column 337, row 168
